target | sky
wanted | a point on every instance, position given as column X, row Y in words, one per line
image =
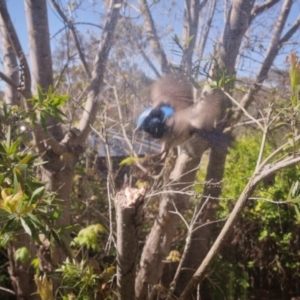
column 166, row 16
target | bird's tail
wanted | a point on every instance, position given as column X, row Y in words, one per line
column 215, row 137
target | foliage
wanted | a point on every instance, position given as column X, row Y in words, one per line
column 84, row 280
column 24, row 202
column 266, row 238
column 294, row 78
column 44, row 287
column 88, row 237
column 47, row 104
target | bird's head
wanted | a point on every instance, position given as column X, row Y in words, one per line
column 153, row 120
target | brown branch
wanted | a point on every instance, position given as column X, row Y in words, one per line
column 97, row 80
column 75, row 37
column 247, row 192
column 207, row 28
column 153, row 37
column 9, row 81
column 191, row 21
column 269, row 58
column 26, row 89
column 260, row 8
column 38, row 133
column 290, row 32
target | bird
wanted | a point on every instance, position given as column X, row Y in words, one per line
column 174, row 118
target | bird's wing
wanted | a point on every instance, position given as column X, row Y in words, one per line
column 173, row 89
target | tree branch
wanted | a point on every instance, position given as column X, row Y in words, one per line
column 97, row 80
column 191, row 20
column 9, row 81
column 75, row 37
column 269, row 58
column 149, row 62
column 247, row 192
column 153, row 37
column 26, row 89
column 207, row 27
column 290, row 32
column 260, row 8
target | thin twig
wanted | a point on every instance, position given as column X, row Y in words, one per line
column 243, row 109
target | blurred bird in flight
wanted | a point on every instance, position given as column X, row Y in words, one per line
column 174, row 118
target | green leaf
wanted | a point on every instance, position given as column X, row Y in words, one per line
column 26, row 226
column 14, row 147
column 22, row 255
column 37, row 192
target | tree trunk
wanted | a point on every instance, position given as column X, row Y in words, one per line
column 235, row 28
column 40, row 54
column 10, row 66
column 129, row 214
column 159, row 241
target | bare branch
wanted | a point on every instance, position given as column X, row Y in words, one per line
column 260, row 8
column 97, row 82
column 75, row 37
column 191, row 21
column 207, row 27
column 26, row 89
column 10, row 66
column 153, row 37
column 269, row 57
column 290, row 32
column 8, row 81
column 243, row 109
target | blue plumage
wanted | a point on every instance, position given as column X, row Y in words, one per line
column 153, row 120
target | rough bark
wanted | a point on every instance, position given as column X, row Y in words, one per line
column 129, row 214
column 96, row 85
